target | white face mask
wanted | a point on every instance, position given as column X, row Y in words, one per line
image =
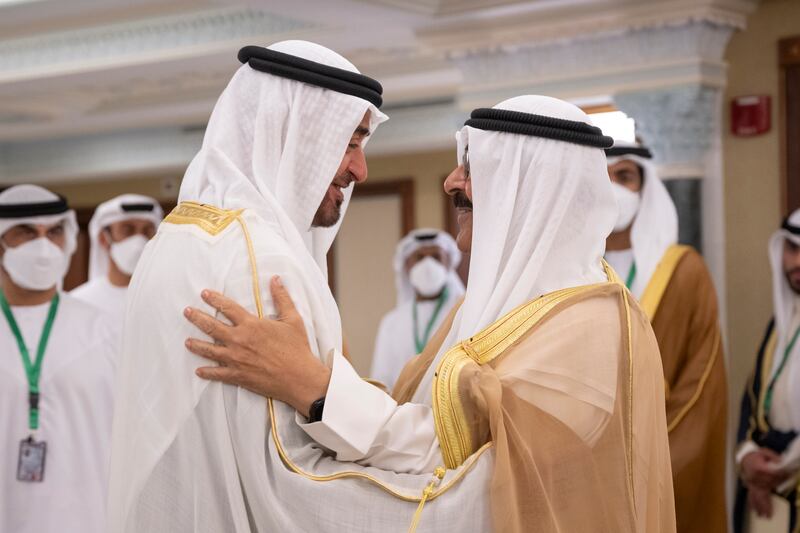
column 36, row 265
column 428, row 277
column 126, row 253
column 628, row 204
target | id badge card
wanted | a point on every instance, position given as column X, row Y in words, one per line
column 30, row 466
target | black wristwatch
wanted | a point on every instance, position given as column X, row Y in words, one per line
column 315, row 411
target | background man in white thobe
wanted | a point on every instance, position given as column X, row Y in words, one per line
column 119, row 230
column 428, row 286
column 56, row 407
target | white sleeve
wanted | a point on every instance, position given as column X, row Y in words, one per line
column 381, row 369
column 745, row 448
column 790, row 458
column 363, row 424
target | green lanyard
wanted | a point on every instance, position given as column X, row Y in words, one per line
column 33, row 370
column 631, row 276
column 420, row 343
column 768, row 395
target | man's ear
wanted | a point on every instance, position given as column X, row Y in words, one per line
column 105, row 242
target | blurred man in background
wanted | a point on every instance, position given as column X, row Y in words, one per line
column 768, row 454
column 428, row 286
column 119, row 231
column 676, row 291
column 56, row 375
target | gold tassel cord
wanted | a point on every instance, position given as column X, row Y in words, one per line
column 438, row 475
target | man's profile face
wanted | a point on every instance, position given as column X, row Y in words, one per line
column 353, row 168
column 427, row 251
column 119, row 231
column 458, row 186
column 626, row 173
column 791, row 264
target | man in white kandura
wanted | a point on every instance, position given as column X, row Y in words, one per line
column 281, row 154
column 57, row 364
column 428, row 286
column 538, row 405
column 119, row 230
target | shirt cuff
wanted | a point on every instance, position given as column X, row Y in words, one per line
column 746, row 447
column 354, row 413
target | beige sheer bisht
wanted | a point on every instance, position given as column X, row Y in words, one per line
column 545, row 476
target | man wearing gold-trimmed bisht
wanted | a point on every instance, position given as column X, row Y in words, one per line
column 675, row 290
column 541, row 396
column 768, row 453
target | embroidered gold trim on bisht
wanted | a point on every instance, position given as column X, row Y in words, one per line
column 210, row 219
column 696, row 396
column 654, row 291
column 452, row 427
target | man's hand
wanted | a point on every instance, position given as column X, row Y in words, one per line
column 759, row 469
column 760, row 501
column 269, row 357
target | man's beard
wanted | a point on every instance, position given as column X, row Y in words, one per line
column 329, row 213
column 793, row 272
column 460, row 200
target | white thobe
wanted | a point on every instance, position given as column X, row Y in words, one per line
column 109, row 298
column 75, row 411
column 395, row 343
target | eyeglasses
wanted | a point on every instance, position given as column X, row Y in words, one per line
column 465, row 162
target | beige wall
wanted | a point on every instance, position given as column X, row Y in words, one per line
column 428, row 170
column 364, row 299
column 364, row 276
column 752, row 182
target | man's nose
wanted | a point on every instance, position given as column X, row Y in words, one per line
column 455, row 181
column 358, row 166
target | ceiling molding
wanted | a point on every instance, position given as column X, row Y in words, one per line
column 150, row 39
column 79, row 94
column 439, row 8
column 603, row 64
column 577, row 22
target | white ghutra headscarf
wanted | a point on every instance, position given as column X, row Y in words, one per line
column 118, row 209
column 542, row 209
column 28, row 198
column 273, row 145
column 21, row 196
